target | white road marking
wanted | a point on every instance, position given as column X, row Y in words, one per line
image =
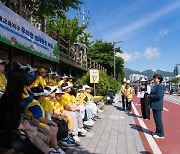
column 149, row 137
column 172, row 101
column 165, row 109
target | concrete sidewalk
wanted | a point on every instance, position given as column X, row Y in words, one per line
column 115, row 133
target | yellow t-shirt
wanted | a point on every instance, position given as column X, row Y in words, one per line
column 29, row 113
column 3, row 82
column 58, row 106
column 70, row 83
column 52, row 82
column 123, row 90
column 39, row 81
column 89, row 96
column 61, row 82
column 48, row 105
column 67, row 99
column 80, row 98
column 128, row 93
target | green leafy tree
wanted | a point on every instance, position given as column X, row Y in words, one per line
column 69, row 29
column 53, row 8
column 102, row 52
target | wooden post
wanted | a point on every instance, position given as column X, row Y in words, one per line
column 19, row 8
column 58, row 40
column 43, row 22
column 86, row 62
column 94, row 64
column 69, row 49
column 81, row 59
column 10, row 57
column 90, row 63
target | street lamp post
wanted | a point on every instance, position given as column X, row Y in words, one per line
column 114, row 43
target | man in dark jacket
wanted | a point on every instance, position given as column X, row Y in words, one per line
column 156, row 102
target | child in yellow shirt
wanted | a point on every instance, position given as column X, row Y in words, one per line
column 128, row 95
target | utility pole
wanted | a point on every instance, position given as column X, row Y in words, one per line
column 83, row 16
column 114, row 43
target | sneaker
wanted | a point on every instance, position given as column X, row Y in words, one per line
column 91, row 121
column 82, row 132
column 62, row 144
column 156, row 136
column 97, row 117
column 56, row 151
column 100, row 111
column 88, row 123
column 76, row 138
column 60, row 151
column 68, row 142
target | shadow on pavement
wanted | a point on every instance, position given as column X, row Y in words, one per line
column 134, row 115
column 145, row 152
column 141, row 129
column 76, row 150
column 118, row 108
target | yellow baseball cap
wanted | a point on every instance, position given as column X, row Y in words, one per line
column 42, row 70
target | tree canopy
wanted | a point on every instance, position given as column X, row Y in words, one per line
column 69, row 29
column 50, row 8
column 102, row 52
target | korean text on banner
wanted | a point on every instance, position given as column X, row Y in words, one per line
column 17, row 32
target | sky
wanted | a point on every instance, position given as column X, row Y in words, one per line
column 149, row 29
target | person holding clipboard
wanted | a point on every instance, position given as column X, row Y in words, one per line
column 145, row 89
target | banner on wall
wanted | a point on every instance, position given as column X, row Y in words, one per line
column 17, row 32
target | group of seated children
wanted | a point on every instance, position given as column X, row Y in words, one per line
column 54, row 112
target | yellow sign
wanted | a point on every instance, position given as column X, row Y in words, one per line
column 94, row 76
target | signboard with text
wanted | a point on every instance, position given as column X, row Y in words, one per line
column 17, row 32
column 94, row 76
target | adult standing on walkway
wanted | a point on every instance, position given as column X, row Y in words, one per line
column 123, row 93
column 156, row 102
column 145, row 106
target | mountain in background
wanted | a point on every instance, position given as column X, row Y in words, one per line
column 149, row 73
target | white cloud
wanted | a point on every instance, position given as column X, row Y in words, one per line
column 129, row 56
column 152, row 17
column 149, row 54
column 161, row 34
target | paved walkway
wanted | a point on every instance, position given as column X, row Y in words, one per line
column 115, row 133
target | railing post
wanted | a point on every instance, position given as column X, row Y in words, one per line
column 68, row 49
column 43, row 28
column 81, row 61
column 10, row 57
column 19, row 8
column 58, row 40
column 90, row 63
column 86, row 62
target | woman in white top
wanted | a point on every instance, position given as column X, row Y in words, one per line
column 145, row 106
